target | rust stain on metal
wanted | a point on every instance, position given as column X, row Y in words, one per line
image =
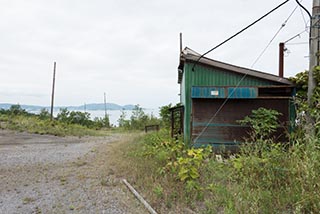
column 224, row 128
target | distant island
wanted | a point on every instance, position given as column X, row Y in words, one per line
column 87, row 107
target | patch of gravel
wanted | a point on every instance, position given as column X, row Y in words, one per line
column 48, row 174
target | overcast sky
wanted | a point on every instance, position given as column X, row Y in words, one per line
column 130, row 48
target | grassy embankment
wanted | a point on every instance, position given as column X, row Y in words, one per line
column 265, row 177
column 36, row 125
column 74, row 123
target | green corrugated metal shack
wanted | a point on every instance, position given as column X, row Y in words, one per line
column 209, row 118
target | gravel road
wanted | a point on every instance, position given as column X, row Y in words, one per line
column 49, row 174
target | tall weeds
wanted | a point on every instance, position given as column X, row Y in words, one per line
column 265, row 177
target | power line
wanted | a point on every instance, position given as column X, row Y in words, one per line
column 275, row 35
column 298, row 43
column 304, row 19
column 265, row 49
column 295, row 36
column 239, row 32
column 304, row 9
column 232, row 92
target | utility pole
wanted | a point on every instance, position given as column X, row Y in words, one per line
column 105, row 105
column 314, row 47
column 181, row 43
column 53, row 84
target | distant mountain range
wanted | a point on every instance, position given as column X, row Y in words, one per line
column 89, row 107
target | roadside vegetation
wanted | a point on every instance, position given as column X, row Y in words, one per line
column 266, row 176
column 138, row 120
column 74, row 123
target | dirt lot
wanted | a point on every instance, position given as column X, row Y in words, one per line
column 48, row 174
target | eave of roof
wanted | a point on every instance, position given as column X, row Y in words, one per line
column 192, row 56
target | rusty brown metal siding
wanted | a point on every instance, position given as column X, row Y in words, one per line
column 208, row 76
column 224, row 129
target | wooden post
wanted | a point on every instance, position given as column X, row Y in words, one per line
column 181, row 119
column 139, row 197
column 172, row 123
column 53, row 85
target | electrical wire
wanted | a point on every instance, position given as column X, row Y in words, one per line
column 304, row 9
column 239, row 32
column 244, row 76
column 298, row 43
column 275, row 35
column 232, row 92
column 297, row 35
column 268, row 45
column 311, row 24
column 220, row 108
column 304, row 19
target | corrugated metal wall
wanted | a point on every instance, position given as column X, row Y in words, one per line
column 224, row 129
column 224, row 92
column 206, row 76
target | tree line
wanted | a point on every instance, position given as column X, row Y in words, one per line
column 137, row 121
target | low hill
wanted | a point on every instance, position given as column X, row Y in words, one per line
column 91, row 107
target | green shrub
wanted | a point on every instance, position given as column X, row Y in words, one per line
column 33, row 124
column 265, row 177
column 44, row 114
column 137, row 121
column 263, row 122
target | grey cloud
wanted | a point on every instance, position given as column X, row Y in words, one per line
column 121, row 46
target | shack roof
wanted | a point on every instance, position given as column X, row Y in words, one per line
column 189, row 55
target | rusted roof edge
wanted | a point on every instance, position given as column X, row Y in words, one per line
column 190, row 55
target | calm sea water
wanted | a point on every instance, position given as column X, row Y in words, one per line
column 114, row 114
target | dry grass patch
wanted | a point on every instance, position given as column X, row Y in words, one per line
column 161, row 191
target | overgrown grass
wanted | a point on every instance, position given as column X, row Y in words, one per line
column 265, row 178
column 33, row 124
column 143, row 161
